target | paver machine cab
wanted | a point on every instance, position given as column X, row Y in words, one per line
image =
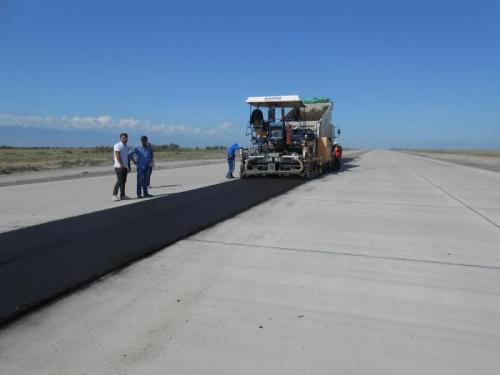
column 295, row 141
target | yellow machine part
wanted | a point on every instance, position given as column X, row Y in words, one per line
column 324, row 149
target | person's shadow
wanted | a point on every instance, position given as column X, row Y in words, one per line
column 163, row 186
column 153, row 196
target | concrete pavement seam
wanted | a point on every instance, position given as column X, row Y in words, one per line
column 345, row 253
column 474, row 165
column 457, row 199
column 291, row 197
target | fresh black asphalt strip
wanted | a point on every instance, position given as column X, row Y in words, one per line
column 39, row 263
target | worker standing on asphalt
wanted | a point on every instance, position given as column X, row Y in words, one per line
column 337, row 155
column 231, row 156
column 142, row 156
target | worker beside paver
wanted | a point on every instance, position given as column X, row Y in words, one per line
column 231, row 156
column 142, row 156
column 337, row 155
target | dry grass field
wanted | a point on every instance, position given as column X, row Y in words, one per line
column 13, row 159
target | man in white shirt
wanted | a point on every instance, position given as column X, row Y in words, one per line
column 122, row 166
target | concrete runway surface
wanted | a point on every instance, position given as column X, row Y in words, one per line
column 65, row 174
column 390, row 267
column 40, row 262
column 30, row 204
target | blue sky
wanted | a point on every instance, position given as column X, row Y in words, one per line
column 401, row 73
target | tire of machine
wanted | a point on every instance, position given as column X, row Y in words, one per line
column 242, row 171
column 310, row 172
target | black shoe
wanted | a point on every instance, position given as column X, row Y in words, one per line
column 140, row 196
column 148, row 195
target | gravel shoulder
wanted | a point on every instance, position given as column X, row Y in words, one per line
column 490, row 163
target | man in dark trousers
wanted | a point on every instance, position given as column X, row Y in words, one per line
column 142, row 156
column 231, row 156
column 122, row 167
column 337, row 155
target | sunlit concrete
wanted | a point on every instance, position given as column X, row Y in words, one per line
column 28, row 204
column 390, row 267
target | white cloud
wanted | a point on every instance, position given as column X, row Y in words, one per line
column 105, row 122
column 226, row 126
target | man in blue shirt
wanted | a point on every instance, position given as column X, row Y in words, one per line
column 231, row 156
column 142, row 156
column 151, row 166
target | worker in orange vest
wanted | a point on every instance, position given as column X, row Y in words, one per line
column 337, row 155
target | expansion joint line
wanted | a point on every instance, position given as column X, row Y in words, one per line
column 458, row 200
column 347, row 253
